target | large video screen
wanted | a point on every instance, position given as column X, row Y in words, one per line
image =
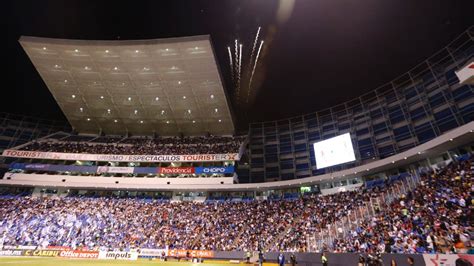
column 334, row 151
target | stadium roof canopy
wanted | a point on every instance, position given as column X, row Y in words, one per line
column 163, row 86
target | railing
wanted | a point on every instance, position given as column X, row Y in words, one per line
column 324, row 239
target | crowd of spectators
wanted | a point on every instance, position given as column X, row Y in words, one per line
column 435, row 216
column 143, row 146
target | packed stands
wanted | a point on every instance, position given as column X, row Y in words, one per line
column 140, row 146
column 434, row 216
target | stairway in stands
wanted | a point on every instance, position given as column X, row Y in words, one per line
column 274, row 244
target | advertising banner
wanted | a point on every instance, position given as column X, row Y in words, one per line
column 124, row 170
column 58, row 248
column 145, row 170
column 54, row 167
column 448, row 259
column 11, row 252
column 79, row 254
column 118, row 255
column 215, row 170
column 152, row 252
column 176, row 170
column 114, row 169
column 42, row 253
column 466, row 74
column 44, row 167
column 193, row 253
column 72, row 168
column 18, row 247
column 121, row 158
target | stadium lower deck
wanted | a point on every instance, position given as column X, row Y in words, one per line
column 431, row 213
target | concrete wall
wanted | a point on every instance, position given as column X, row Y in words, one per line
column 345, row 259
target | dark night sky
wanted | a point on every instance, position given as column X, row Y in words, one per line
column 329, row 51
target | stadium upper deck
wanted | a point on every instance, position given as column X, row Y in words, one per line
column 420, row 105
column 141, row 146
column 423, row 113
column 162, row 86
